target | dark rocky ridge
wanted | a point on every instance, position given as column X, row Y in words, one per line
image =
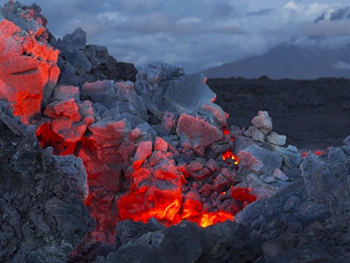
column 291, row 61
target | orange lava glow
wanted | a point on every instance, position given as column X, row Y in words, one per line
column 211, row 218
column 171, row 206
column 229, row 155
column 316, row 152
column 132, row 206
column 226, row 132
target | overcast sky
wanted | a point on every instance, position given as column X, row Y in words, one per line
column 191, row 33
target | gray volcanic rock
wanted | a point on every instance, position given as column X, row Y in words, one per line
column 80, row 63
column 43, row 217
column 185, row 242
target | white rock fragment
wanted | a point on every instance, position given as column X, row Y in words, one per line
column 269, row 179
column 263, row 121
column 254, row 133
column 276, row 139
column 280, row 175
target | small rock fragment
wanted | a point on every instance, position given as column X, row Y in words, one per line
column 276, row 139
column 280, row 175
column 263, row 121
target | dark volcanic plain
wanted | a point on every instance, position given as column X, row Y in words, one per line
column 313, row 114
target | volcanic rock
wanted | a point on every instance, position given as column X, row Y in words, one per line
column 260, row 160
column 276, row 139
column 197, row 129
column 80, row 63
column 158, row 151
column 28, row 69
column 263, row 121
column 41, row 198
column 280, row 175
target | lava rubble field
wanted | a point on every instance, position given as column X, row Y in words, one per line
column 101, row 162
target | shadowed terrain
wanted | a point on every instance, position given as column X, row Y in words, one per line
column 314, row 114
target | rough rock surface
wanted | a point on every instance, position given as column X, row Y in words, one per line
column 80, row 63
column 43, row 217
column 114, row 126
column 28, row 69
column 154, row 155
column 299, row 224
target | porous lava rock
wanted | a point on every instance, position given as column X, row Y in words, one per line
column 28, row 69
column 43, row 217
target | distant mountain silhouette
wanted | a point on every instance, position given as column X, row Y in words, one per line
column 288, row 61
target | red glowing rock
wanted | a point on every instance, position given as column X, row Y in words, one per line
column 197, row 129
column 192, row 206
column 242, row 195
column 110, row 178
column 65, row 128
column 221, row 183
column 155, row 190
column 160, row 145
column 28, row 70
column 200, row 175
column 143, row 151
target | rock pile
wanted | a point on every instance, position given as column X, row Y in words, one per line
column 306, row 222
column 156, row 149
column 266, row 164
column 141, row 141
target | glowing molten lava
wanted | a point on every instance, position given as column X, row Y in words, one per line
column 229, row 155
column 316, row 152
column 209, row 219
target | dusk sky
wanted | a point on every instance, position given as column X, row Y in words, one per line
column 191, row 33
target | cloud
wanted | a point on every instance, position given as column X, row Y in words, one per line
column 127, row 4
column 110, row 16
column 342, row 65
column 191, row 19
column 193, row 34
column 328, row 28
column 261, row 12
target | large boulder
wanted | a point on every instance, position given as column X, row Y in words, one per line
column 28, row 69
